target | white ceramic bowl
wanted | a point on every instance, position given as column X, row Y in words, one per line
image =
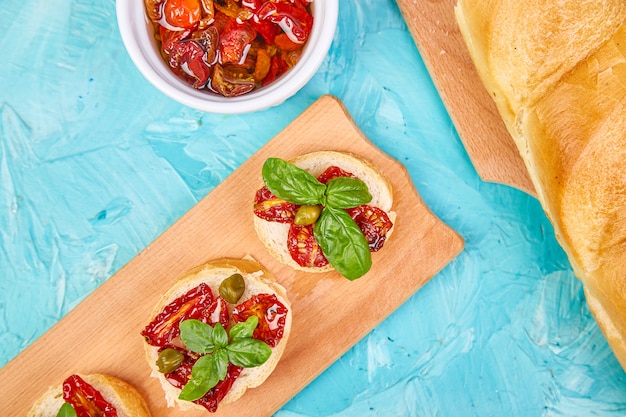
column 137, row 35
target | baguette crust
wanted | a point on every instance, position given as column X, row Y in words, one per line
column 258, row 281
column 124, row 397
column 561, row 91
column 274, row 234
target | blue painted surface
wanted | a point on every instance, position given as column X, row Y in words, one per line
column 95, row 163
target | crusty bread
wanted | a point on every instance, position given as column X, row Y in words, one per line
column 557, row 73
column 258, row 281
column 124, row 397
column 274, row 234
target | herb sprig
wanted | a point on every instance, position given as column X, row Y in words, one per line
column 338, row 235
column 218, row 349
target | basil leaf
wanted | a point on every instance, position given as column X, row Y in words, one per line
column 220, row 337
column 66, row 410
column 248, row 352
column 244, row 329
column 290, row 183
column 347, row 192
column 203, row 378
column 343, row 243
column 221, row 363
column 197, row 336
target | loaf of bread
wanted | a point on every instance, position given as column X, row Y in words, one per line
column 257, row 281
column 557, row 73
column 118, row 393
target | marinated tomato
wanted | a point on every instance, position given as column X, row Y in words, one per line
column 271, row 313
column 230, row 47
column 85, row 399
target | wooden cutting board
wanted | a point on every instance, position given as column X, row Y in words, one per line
column 480, row 127
column 330, row 313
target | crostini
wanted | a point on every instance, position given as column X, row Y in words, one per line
column 90, row 395
column 324, row 210
column 219, row 330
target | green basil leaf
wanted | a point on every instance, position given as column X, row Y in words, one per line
column 203, row 378
column 244, row 328
column 343, row 243
column 197, row 336
column 221, row 363
column 66, row 410
column 347, row 192
column 290, row 183
column 248, row 352
column 220, row 337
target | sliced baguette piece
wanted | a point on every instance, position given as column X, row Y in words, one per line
column 127, row 401
column 258, row 281
column 274, row 234
column 557, row 73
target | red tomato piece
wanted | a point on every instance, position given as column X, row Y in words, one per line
column 182, row 14
column 217, row 312
column 271, row 208
column 212, row 398
column 278, row 67
column 85, row 399
column 303, row 247
column 374, row 223
column 187, row 60
column 271, row 313
column 235, row 40
column 266, row 29
column 294, row 21
column 333, row 172
column 283, row 42
column 231, row 80
column 164, row 327
column 170, row 37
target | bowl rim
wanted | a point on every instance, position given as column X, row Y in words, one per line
column 157, row 72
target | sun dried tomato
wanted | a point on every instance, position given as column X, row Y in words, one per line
column 278, row 67
column 374, row 223
column 271, row 208
column 235, row 40
column 187, row 60
column 217, row 312
column 164, row 327
column 182, row 14
column 271, row 313
column 294, row 21
column 85, row 399
column 303, row 247
column 333, row 172
column 171, row 37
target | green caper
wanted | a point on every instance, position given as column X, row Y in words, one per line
column 232, row 288
column 307, row 215
column 169, row 360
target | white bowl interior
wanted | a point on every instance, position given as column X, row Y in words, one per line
column 137, row 34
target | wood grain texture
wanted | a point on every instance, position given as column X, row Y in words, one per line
column 331, row 314
column 473, row 112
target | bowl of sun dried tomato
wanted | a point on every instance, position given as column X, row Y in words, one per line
column 228, row 56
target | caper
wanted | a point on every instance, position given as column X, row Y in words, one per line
column 169, row 360
column 232, row 288
column 307, row 215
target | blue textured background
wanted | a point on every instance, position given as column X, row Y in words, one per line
column 95, row 163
